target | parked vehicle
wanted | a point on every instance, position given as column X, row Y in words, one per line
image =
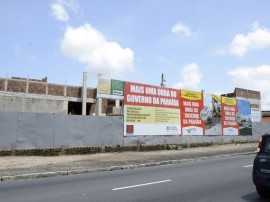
column 261, row 167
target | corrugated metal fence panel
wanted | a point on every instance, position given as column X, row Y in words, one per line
column 8, row 130
column 109, row 132
column 45, row 131
column 37, row 130
column 26, row 137
column 103, row 131
column 118, row 131
column 258, row 129
column 67, row 129
column 77, row 131
column 31, row 130
column 96, row 131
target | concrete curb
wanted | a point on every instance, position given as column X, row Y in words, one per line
column 111, row 168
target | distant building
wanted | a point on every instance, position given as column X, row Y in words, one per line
column 244, row 94
column 265, row 116
column 39, row 96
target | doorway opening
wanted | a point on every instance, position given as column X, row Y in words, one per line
column 74, row 108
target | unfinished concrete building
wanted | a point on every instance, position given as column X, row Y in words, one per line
column 32, row 95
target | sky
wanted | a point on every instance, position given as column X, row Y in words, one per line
column 210, row 45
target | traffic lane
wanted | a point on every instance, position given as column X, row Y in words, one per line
column 56, row 188
column 225, row 180
column 186, row 179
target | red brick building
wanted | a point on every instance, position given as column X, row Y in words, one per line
column 265, row 116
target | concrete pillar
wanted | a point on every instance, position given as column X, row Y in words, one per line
column 6, row 84
column 65, row 91
column 46, row 88
column 117, row 103
column 98, row 106
column 27, row 85
column 84, row 93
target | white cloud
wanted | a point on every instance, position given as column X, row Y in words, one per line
column 72, row 5
column 257, row 39
column 60, row 13
column 190, row 77
column 89, row 46
column 60, row 7
column 181, row 29
column 254, row 78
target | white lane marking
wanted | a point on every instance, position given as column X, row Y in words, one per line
column 140, row 185
column 248, row 166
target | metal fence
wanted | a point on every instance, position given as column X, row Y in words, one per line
column 34, row 130
column 37, row 130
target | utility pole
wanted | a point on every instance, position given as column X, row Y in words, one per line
column 163, row 81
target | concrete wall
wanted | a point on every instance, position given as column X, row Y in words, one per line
column 153, row 140
column 39, row 130
column 31, row 103
column 42, row 87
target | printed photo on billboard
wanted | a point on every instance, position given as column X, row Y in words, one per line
column 212, row 107
column 245, row 125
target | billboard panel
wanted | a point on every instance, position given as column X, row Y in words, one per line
column 192, row 113
column 245, row 125
column 212, row 107
column 117, row 87
column 104, row 86
column 256, row 115
column 110, row 89
column 230, row 116
column 151, row 110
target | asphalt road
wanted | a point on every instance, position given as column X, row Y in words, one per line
column 218, row 179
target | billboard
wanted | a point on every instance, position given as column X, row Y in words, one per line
column 157, row 110
column 212, row 107
column 151, row 110
column 230, row 116
column 245, row 125
column 255, row 115
column 110, row 89
column 192, row 113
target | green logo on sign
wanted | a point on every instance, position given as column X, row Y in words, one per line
column 203, row 114
column 117, row 87
column 238, row 116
